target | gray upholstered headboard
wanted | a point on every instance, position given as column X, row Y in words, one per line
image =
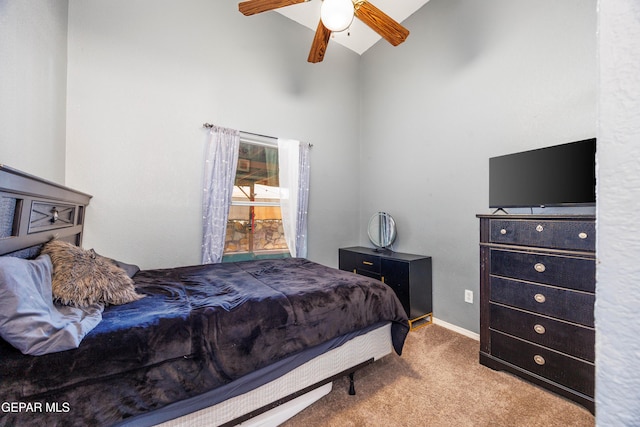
column 34, row 210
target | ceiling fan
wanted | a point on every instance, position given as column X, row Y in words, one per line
column 335, row 16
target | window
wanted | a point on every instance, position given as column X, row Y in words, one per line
column 254, row 226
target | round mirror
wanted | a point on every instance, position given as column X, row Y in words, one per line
column 382, row 230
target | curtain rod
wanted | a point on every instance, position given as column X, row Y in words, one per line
column 209, row 126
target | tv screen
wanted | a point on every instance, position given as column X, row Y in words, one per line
column 560, row 175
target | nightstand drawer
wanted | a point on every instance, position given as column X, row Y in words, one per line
column 571, row 306
column 369, row 263
column 575, row 340
column 557, row 367
column 368, row 273
column 564, row 271
column 366, row 264
column 573, row 235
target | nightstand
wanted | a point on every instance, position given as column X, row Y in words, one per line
column 408, row 275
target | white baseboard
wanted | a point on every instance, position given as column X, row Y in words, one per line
column 458, row 329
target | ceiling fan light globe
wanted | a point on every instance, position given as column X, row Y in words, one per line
column 337, row 15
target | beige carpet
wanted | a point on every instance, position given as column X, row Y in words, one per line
column 439, row 382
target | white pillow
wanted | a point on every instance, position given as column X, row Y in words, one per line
column 29, row 320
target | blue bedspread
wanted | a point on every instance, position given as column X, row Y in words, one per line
column 200, row 327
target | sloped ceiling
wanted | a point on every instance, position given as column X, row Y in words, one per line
column 358, row 37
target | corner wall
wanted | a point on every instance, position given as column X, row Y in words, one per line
column 473, row 80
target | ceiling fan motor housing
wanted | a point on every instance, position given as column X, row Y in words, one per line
column 337, row 15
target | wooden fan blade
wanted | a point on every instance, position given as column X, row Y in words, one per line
column 381, row 23
column 251, row 7
column 320, row 42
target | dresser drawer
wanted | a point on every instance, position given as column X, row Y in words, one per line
column 564, row 304
column 365, row 264
column 370, row 264
column 557, row 367
column 575, row 340
column 572, row 235
column 564, row 271
column 368, row 273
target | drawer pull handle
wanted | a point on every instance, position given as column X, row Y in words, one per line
column 503, row 231
column 582, row 235
column 539, row 298
column 539, row 228
column 539, row 329
column 539, row 267
column 367, row 263
column 539, row 359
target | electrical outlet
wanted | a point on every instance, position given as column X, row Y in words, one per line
column 468, row 296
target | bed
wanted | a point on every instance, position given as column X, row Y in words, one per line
column 218, row 344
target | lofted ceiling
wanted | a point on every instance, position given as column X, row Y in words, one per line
column 358, row 37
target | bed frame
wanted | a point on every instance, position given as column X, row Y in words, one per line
column 34, row 210
column 279, row 400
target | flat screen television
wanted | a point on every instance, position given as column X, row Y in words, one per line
column 560, row 175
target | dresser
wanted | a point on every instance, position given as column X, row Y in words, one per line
column 537, row 294
column 407, row 274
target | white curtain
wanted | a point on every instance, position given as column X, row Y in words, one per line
column 219, row 176
column 293, row 162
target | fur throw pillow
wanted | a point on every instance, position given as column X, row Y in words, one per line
column 82, row 278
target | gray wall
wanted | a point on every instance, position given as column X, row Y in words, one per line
column 472, row 81
column 618, row 190
column 145, row 75
column 33, row 86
